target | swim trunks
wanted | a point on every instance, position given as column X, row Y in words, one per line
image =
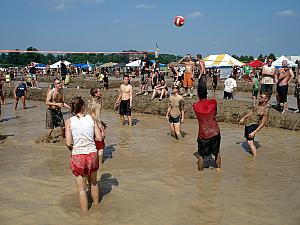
column 125, row 108
column 187, row 80
column 84, row 164
column 249, row 130
column 54, row 118
column 209, row 146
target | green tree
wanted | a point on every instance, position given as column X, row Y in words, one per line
column 272, row 56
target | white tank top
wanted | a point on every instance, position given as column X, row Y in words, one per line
column 83, row 132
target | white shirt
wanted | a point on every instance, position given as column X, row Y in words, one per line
column 83, row 133
column 268, row 70
column 229, row 84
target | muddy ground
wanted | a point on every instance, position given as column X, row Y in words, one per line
column 229, row 111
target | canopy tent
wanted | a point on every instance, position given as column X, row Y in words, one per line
column 40, row 66
column 122, row 64
column 135, row 63
column 57, row 64
column 278, row 63
column 108, row 65
column 222, row 60
column 256, row 63
column 160, row 64
column 82, row 65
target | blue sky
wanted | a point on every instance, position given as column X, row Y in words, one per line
column 211, row 27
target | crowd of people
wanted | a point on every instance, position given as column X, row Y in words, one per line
column 84, row 131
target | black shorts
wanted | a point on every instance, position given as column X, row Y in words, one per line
column 214, row 82
column 174, row 120
column 249, row 130
column 202, row 82
column 209, row 146
column 63, row 78
column 282, row 93
column 125, row 108
column 228, row 95
column 20, row 94
column 254, row 93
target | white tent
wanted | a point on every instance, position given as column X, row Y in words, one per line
column 278, row 62
column 57, row 64
column 222, row 60
column 135, row 63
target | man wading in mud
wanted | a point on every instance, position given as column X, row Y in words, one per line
column 54, row 116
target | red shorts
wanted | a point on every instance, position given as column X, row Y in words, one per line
column 100, row 144
column 84, row 164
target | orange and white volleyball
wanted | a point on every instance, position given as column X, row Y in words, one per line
column 179, row 21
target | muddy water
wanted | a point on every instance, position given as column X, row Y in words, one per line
column 148, row 177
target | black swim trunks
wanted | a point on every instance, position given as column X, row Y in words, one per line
column 54, row 118
column 174, row 120
column 209, row 146
column 249, row 130
column 282, row 93
column 125, row 108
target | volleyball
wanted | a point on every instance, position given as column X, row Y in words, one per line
column 178, row 21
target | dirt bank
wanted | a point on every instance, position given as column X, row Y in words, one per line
column 229, row 111
column 242, row 86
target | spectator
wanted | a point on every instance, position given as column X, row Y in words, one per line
column 229, row 88
column 160, row 90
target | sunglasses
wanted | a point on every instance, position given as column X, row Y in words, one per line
column 58, row 83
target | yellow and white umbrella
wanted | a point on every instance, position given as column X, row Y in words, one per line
column 222, row 60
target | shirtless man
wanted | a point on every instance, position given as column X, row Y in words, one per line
column 188, row 75
column 202, row 79
column 125, row 100
column 283, row 78
column 55, row 101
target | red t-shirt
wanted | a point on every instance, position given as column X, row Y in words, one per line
column 206, row 111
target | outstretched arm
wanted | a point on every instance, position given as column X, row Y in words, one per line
column 260, row 126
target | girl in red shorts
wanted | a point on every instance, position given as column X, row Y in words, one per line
column 81, row 132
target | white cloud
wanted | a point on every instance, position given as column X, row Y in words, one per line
column 134, row 25
column 61, row 5
column 262, row 39
column 286, row 13
column 195, row 14
column 144, row 6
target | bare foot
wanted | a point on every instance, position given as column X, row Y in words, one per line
column 218, row 169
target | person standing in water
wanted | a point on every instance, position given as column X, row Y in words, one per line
column 209, row 137
column 255, row 120
column 175, row 112
column 124, row 100
column 20, row 93
column 55, row 101
column 81, row 132
column 94, row 109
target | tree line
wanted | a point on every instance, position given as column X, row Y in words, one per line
column 23, row 59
